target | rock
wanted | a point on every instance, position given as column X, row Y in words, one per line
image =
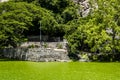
column 85, row 7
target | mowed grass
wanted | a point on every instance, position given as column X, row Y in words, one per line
column 23, row 70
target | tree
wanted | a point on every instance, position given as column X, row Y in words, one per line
column 13, row 23
column 70, row 14
column 99, row 31
column 57, row 6
column 17, row 19
column 66, row 9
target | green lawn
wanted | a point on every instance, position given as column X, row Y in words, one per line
column 22, row 70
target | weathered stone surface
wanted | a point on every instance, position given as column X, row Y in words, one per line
column 36, row 54
column 86, row 7
column 3, row 0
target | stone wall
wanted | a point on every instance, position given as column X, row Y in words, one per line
column 3, row 0
column 35, row 54
column 45, row 44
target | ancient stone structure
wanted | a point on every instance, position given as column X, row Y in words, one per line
column 85, row 6
column 3, row 0
column 36, row 54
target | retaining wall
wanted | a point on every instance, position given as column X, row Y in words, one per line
column 35, row 54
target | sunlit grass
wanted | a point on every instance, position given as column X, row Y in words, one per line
column 22, row 70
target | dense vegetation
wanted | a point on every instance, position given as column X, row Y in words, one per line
column 99, row 32
column 21, row 18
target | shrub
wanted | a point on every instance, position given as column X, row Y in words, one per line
column 59, row 46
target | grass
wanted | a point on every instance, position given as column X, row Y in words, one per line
column 23, row 70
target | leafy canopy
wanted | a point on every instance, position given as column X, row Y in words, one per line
column 17, row 19
column 99, row 32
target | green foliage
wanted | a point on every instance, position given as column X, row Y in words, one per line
column 57, row 6
column 70, row 13
column 18, row 19
column 45, row 45
column 105, row 57
column 99, row 32
column 61, row 8
column 59, row 46
column 13, row 23
column 33, row 46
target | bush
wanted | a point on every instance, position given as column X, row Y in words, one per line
column 45, row 45
column 59, row 46
column 74, row 57
column 105, row 57
column 33, row 46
